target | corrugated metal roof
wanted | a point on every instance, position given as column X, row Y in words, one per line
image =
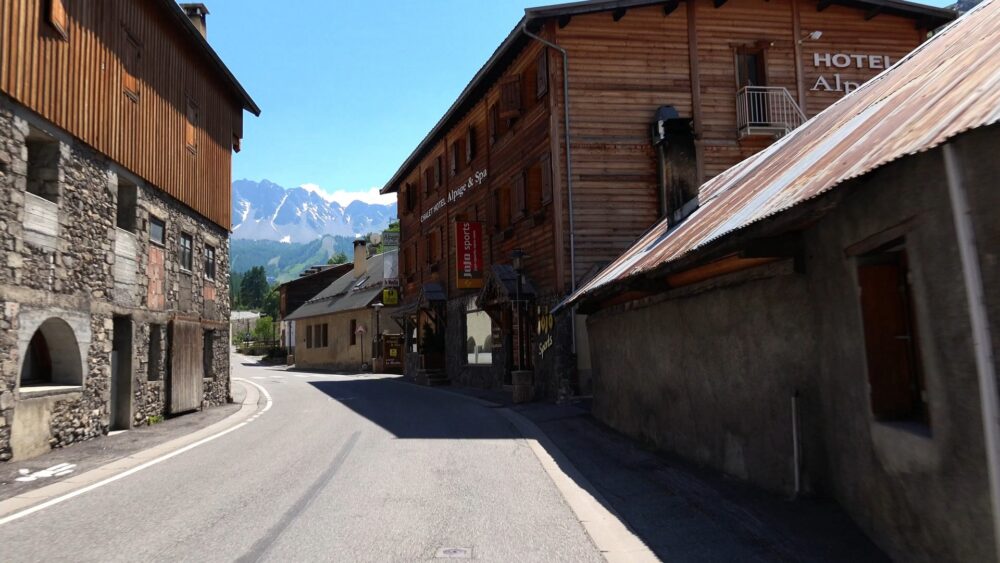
column 947, row 86
column 347, row 292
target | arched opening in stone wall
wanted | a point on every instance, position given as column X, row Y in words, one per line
column 52, row 357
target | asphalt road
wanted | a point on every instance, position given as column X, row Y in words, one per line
column 339, row 469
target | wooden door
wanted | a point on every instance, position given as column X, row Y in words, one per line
column 185, row 387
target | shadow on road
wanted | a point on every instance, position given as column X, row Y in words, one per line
column 680, row 511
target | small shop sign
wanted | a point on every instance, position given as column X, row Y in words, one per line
column 390, row 296
column 469, row 253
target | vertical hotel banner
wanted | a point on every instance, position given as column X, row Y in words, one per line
column 468, row 254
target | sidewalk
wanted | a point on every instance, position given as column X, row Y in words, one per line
column 69, row 462
column 688, row 513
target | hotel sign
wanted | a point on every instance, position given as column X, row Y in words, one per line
column 469, row 254
column 836, row 62
column 474, row 181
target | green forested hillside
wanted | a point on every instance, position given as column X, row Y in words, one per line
column 284, row 261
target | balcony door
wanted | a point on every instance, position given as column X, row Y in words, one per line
column 750, row 71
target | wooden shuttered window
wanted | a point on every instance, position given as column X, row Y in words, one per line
column 494, row 123
column 542, row 74
column 892, row 352
column 501, row 208
column 190, row 127
column 546, row 165
column 428, row 180
column 510, row 97
column 410, row 196
column 517, row 197
column 437, row 171
column 58, row 18
column 470, row 144
column 130, row 67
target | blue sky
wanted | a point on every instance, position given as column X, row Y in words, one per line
column 348, row 89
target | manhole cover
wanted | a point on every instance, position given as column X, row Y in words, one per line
column 454, row 553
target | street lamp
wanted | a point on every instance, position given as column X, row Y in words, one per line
column 378, row 331
column 516, row 258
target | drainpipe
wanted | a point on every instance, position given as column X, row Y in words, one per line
column 569, row 168
column 981, row 340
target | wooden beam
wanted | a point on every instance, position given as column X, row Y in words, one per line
column 670, row 6
column 874, row 11
column 564, row 21
column 618, row 14
column 715, row 269
column 718, row 3
column 823, row 4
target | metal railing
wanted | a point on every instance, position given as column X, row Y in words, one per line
column 766, row 110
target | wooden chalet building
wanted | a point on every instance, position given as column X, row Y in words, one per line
column 117, row 126
column 662, row 95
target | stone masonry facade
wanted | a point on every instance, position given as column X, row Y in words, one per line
column 65, row 257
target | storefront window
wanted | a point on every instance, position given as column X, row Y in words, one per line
column 478, row 336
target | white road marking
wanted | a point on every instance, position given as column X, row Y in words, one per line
column 138, row 468
column 54, row 471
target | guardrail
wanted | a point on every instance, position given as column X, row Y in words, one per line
column 767, row 110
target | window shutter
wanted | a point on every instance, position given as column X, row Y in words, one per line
column 309, row 336
column 542, row 74
column 437, row 171
column 510, row 97
column 470, row 144
column 517, row 198
column 494, row 121
column 546, row 178
column 57, row 17
column 428, row 180
column 189, row 131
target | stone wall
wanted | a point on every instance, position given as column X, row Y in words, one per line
column 69, row 270
column 708, row 371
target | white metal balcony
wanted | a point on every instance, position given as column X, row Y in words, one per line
column 766, row 110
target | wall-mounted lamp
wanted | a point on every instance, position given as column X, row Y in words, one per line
column 812, row 36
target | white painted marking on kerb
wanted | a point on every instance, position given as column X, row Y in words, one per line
column 138, row 468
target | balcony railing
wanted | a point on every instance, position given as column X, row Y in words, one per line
column 766, row 110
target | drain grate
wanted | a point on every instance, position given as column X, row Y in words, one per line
column 454, row 553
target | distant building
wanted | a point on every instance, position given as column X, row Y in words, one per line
column 828, row 319
column 117, row 126
column 293, row 294
column 349, row 324
column 661, row 96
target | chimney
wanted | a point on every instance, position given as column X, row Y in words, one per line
column 196, row 13
column 360, row 258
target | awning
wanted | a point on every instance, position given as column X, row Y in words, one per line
column 500, row 287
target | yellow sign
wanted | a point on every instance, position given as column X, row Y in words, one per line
column 390, row 296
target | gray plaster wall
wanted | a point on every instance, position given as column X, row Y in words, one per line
column 708, row 371
column 76, row 276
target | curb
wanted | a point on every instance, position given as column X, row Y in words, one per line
column 32, row 501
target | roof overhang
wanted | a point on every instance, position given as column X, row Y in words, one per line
column 202, row 45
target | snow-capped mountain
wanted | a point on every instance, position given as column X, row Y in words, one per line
column 266, row 211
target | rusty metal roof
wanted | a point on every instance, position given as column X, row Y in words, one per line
column 948, row 85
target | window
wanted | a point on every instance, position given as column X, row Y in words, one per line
column 478, row 336
column 433, row 241
column 125, row 217
column 57, row 17
column 309, row 336
column 354, row 334
column 190, row 127
column 43, row 166
column 470, row 144
column 130, row 67
column 210, row 262
column 542, row 74
column 510, row 97
column 893, row 354
column 750, row 70
column 325, row 332
column 517, row 199
column 546, row 165
column 186, row 251
column 456, row 153
column 157, row 231
column 155, row 352
column 208, row 353
column 498, row 125
column 501, row 208
column 410, row 196
column 437, row 171
column 428, row 180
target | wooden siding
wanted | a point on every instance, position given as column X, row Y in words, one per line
column 78, row 84
column 515, row 152
column 621, row 72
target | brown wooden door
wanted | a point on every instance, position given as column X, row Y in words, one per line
column 186, row 366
